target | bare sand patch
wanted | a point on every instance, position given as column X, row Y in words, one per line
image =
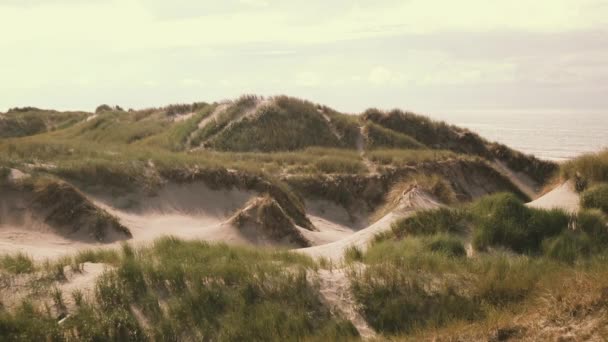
column 563, row 197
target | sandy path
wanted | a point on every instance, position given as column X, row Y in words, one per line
column 84, row 281
column 371, row 166
column 563, row 197
column 334, row 287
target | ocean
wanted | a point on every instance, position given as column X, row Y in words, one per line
column 552, row 135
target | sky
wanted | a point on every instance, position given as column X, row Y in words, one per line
column 419, row 55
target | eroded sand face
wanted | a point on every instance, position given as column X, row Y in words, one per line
column 190, row 211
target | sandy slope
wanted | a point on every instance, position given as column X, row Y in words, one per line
column 411, row 202
column 563, row 197
column 190, row 211
column 523, row 182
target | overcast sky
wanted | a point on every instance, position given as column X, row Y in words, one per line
column 422, row 55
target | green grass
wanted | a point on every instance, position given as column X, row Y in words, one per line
column 117, row 127
column 441, row 136
column 503, row 220
column 346, row 125
column 353, row 254
column 380, row 137
column 399, row 158
column 429, row 222
column 447, row 244
column 30, row 121
column 286, row 125
column 194, row 291
column 426, row 282
column 596, row 198
column 223, row 119
column 17, row 264
column 177, row 136
column 589, row 168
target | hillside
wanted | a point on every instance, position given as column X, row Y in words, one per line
column 277, row 218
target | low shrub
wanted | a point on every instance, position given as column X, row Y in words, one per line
column 430, row 222
column 596, row 198
column 446, row 244
column 568, row 246
column 503, row 220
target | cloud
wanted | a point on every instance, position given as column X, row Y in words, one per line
column 334, row 51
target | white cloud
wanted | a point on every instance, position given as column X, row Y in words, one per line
column 116, row 46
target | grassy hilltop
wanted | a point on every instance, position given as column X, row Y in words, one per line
column 479, row 265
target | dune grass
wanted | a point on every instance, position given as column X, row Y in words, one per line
column 380, row 137
column 418, row 278
column 17, row 264
column 223, row 119
column 346, row 125
column 428, row 222
column 193, row 291
column 426, row 282
column 176, row 137
column 431, row 183
column 21, row 122
column 502, row 220
column 399, row 158
column 589, row 168
column 596, row 197
column 286, row 125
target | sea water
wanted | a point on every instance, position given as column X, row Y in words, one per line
column 549, row 134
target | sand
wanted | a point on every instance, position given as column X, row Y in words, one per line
column 191, row 211
column 334, row 288
column 411, row 202
column 523, row 182
column 563, row 197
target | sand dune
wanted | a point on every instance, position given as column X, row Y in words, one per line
column 194, row 211
column 563, row 197
column 411, row 202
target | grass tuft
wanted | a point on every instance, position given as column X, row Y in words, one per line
column 17, row 264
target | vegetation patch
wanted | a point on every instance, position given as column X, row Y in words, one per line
column 426, row 282
column 441, row 136
column 21, row 122
column 596, row 198
column 264, row 218
column 286, row 125
column 17, row 264
column 176, row 290
column 589, row 168
column 71, row 213
column 380, row 137
column 504, row 221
